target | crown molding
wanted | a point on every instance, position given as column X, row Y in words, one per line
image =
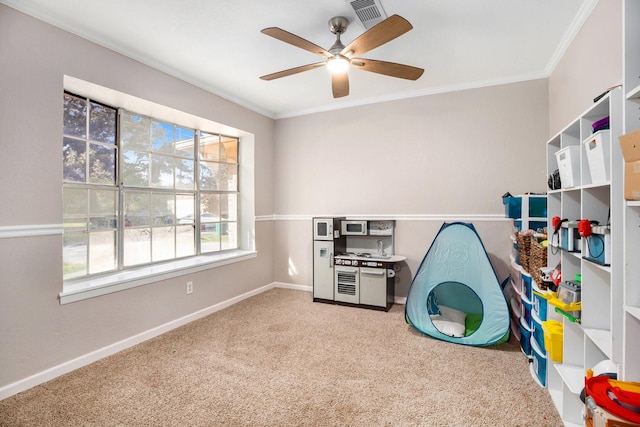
column 570, row 34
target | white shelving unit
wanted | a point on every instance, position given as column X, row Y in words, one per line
column 631, row 209
column 599, row 336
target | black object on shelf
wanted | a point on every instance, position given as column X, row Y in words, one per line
column 599, row 97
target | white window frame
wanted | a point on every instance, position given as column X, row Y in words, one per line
column 89, row 287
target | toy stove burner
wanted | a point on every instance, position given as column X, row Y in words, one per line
column 354, row 259
column 357, row 254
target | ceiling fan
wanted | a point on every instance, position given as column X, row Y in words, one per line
column 339, row 58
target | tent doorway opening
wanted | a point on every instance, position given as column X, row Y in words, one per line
column 454, row 297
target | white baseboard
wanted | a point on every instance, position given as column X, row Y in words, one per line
column 293, row 286
column 400, row 300
column 78, row 362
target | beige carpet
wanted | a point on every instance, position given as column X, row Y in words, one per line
column 278, row 359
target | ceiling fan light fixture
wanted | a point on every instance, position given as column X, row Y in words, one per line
column 339, row 58
column 338, row 64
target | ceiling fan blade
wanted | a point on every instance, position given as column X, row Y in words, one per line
column 291, row 71
column 387, row 30
column 387, row 68
column 287, row 37
column 340, row 84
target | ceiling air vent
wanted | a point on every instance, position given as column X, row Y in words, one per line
column 369, row 12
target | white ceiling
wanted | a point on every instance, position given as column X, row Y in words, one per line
column 217, row 44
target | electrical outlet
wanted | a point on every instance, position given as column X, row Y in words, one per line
column 189, row 287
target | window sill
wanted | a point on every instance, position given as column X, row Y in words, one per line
column 90, row 288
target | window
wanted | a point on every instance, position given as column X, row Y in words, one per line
column 89, row 194
column 139, row 191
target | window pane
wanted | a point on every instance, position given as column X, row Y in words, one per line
column 163, row 209
column 135, row 169
column 229, row 150
column 161, row 171
column 209, row 147
column 75, row 208
column 102, row 251
column 209, row 222
column 103, row 209
column 74, row 160
column 185, row 241
column 230, row 235
column 185, row 208
column 102, row 164
column 227, row 178
column 137, row 207
column 102, row 123
column 184, row 142
column 164, row 244
column 74, row 255
column 210, row 239
column 210, row 205
column 208, row 175
column 185, row 178
column 137, row 246
column 162, row 137
column 75, row 116
column 229, row 207
column 135, row 132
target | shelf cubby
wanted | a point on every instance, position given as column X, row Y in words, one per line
column 630, row 365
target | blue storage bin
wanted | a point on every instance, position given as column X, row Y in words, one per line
column 537, row 225
column 539, row 362
column 527, row 286
column 525, row 337
column 540, row 306
column 512, row 207
column 525, row 206
column 526, row 311
column 538, row 332
column 537, row 207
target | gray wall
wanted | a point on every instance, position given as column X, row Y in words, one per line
column 590, row 65
column 36, row 332
column 422, row 161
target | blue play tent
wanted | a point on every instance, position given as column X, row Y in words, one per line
column 455, row 295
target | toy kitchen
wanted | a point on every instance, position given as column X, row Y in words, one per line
column 354, row 262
